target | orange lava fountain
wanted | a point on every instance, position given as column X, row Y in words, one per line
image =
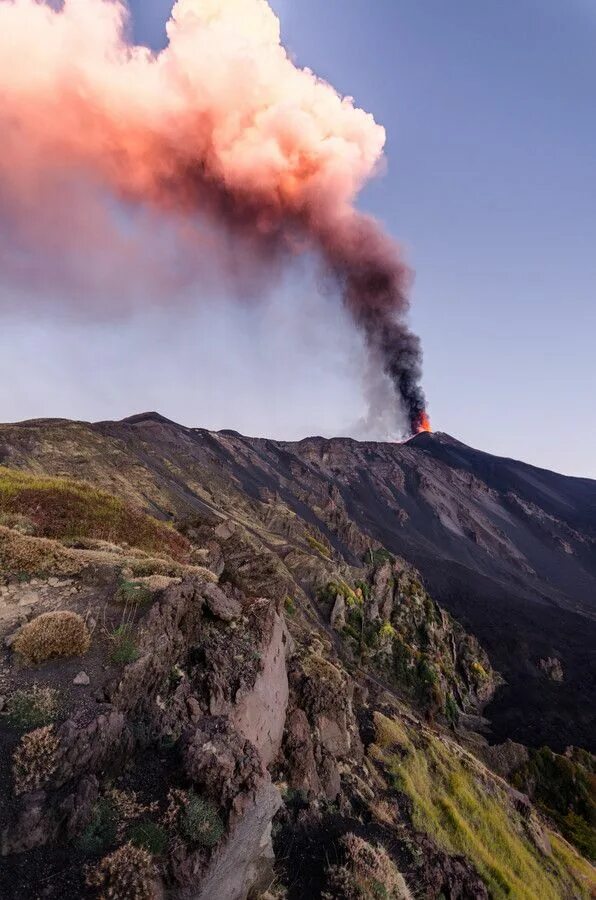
column 422, row 424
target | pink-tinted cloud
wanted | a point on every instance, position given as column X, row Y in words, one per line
column 220, row 132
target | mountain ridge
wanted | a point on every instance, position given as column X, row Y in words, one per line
column 506, row 547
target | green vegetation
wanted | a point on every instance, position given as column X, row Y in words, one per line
column 378, row 557
column 333, row 588
column 101, row 830
column 290, row 605
column 133, row 593
column 318, row 545
column 452, row 804
column 51, row 635
column 150, row 836
column 63, row 508
column 200, row 822
column 451, row 711
column 415, row 645
column 124, row 646
column 565, row 788
column 32, row 707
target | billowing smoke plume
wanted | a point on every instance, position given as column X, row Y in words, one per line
column 220, row 126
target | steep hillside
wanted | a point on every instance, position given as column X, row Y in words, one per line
column 234, row 711
column 509, row 549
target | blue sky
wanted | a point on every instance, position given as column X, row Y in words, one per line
column 490, row 187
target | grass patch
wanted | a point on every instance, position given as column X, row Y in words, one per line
column 133, row 593
column 101, row 830
column 124, row 647
column 150, row 836
column 32, row 707
column 318, row 545
column 200, row 822
column 453, row 806
column 64, row 508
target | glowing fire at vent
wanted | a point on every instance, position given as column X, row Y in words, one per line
column 422, row 423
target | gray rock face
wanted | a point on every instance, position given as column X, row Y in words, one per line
column 222, row 605
column 338, row 613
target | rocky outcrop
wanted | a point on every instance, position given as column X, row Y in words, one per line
column 229, row 770
column 390, row 624
column 227, row 718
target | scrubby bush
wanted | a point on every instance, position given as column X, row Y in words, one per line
column 368, row 874
column 127, row 804
column 25, row 556
column 565, row 788
column 51, row 635
column 149, row 835
column 101, row 829
column 124, row 647
column 35, row 759
column 290, row 605
column 126, row 874
column 200, row 821
column 32, row 707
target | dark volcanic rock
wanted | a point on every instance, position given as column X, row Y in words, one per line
column 507, row 548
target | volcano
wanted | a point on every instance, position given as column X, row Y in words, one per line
column 509, row 549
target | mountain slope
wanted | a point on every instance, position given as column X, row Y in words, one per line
column 253, row 697
column 509, row 549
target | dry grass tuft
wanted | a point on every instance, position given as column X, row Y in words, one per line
column 51, row 635
column 369, row 873
column 35, row 759
column 28, row 555
column 126, row 874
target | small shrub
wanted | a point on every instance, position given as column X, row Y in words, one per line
column 479, row 671
column 102, row 828
column 127, row 804
column 387, row 631
column 290, row 606
column 53, row 634
column 318, row 545
column 451, row 711
column 133, row 593
column 124, row 647
column 35, row 759
column 149, row 835
column 32, row 707
column 200, row 822
column 378, row 557
column 126, row 874
column 368, row 874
